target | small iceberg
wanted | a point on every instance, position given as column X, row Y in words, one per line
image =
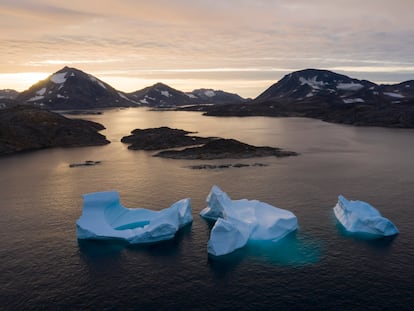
column 361, row 217
column 238, row 221
column 103, row 217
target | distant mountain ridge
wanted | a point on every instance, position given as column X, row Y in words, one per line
column 313, row 93
column 162, row 95
column 308, row 84
column 8, row 93
column 210, row 96
column 70, row 88
column 8, row 98
column 332, row 97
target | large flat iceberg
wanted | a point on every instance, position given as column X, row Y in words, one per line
column 238, row 221
column 361, row 217
column 103, row 217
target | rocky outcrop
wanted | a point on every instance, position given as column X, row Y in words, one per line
column 25, row 128
column 161, row 138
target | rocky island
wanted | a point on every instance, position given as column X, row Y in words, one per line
column 24, row 128
column 221, row 148
column 203, row 148
column 161, row 138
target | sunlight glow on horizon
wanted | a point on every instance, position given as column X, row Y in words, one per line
column 133, row 80
column 21, row 81
column 238, row 46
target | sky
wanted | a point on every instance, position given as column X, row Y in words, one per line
column 240, row 46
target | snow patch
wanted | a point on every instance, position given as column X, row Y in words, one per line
column 144, row 101
column 313, row 83
column 59, row 78
column 165, row 93
column 210, row 93
column 93, row 79
column 395, row 95
column 349, row 86
column 123, row 96
column 41, row 92
column 353, row 100
column 35, row 98
column 191, row 95
column 61, row 96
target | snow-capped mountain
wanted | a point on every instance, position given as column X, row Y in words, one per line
column 332, row 97
column 398, row 92
column 210, row 96
column 311, row 85
column 160, row 95
column 308, row 83
column 70, row 88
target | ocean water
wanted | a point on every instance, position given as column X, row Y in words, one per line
column 318, row 267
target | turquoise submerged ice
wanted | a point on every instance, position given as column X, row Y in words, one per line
column 103, row 217
column 361, row 217
column 238, row 221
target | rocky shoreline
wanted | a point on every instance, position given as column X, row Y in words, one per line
column 223, row 166
column 24, row 128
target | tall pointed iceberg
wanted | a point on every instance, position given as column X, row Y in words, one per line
column 361, row 217
column 238, row 221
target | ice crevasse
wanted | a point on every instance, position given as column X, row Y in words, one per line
column 361, row 217
column 238, row 221
column 104, row 217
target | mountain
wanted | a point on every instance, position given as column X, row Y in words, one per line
column 7, row 103
column 331, row 97
column 210, row 96
column 160, row 95
column 70, row 88
column 8, row 93
column 24, row 128
column 310, row 84
column 7, row 98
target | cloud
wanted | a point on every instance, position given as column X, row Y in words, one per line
column 206, row 38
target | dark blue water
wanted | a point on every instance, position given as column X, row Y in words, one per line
column 318, row 267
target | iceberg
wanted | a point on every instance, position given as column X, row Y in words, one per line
column 240, row 221
column 361, row 217
column 103, row 217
